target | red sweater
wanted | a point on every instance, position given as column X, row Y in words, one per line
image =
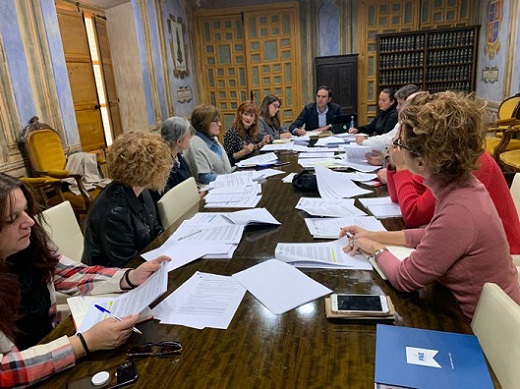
column 463, row 247
column 418, row 203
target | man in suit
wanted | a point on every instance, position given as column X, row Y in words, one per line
column 318, row 115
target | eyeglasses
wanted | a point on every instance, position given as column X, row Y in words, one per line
column 399, row 144
column 161, row 349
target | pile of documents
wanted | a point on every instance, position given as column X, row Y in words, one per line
column 336, row 185
column 316, row 206
column 381, row 207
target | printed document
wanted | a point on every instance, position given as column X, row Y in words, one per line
column 316, row 206
column 129, row 303
column 279, row 286
column 262, row 159
column 205, row 300
column 329, row 228
column 328, row 255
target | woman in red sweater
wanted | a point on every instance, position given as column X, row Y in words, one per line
column 417, row 202
column 464, row 245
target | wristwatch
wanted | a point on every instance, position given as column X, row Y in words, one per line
column 378, row 252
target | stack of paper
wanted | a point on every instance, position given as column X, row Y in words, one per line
column 335, row 185
column 355, row 152
column 316, row 206
column 381, row 207
column 283, row 146
column 330, row 141
column 244, row 217
column 330, row 228
column 328, row 255
column 258, row 160
column 360, row 166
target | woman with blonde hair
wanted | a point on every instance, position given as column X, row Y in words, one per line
column 464, row 245
column 206, row 157
column 240, row 140
column 123, row 219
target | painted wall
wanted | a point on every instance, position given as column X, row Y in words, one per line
column 128, row 74
column 172, row 8
column 493, row 56
column 515, row 84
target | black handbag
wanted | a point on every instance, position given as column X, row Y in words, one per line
column 306, row 181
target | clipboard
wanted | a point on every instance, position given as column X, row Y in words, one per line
column 378, row 317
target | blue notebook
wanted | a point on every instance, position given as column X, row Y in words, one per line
column 415, row 358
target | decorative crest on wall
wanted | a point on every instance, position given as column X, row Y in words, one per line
column 493, row 23
column 177, row 31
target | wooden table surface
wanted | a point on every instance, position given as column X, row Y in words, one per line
column 298, row 349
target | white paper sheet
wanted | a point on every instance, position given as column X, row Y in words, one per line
column 189, row 232
column 381, row 207
column 205, row 300
column 288, row 178
column 328, row 255
column 255, row 215
column 129, row 303
column 316, row 206
column 258, row 160
column 335, row 185
column 279, row 286
column 329, row 228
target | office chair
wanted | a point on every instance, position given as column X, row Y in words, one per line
column 496, row 323
column 174, row 203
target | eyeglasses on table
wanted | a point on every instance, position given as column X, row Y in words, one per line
column 162, row 349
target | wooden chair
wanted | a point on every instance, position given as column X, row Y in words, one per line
column 505, row 127
column 496, row 323
column 174, row 203
column 42, row 146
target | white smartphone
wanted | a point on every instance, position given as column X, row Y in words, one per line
column 359, row 303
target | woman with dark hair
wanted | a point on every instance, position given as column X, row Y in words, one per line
column 269, row 122
column 30, row 273
column 206, row 157
column 240, row 141
column 386, row 118
column 464, row 245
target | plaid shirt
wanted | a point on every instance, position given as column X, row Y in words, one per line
column 21, row 368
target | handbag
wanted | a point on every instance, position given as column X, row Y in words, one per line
column 305, row 181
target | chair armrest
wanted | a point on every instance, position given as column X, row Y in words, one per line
column 55, row 173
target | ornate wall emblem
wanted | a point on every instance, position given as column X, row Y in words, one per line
column 494, row 20
column 177, row 31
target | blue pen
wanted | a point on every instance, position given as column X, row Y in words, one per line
column 104, row 310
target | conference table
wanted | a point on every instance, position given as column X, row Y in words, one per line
column 298, row 349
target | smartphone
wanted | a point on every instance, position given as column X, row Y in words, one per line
column 359, row 303
column 118, row 376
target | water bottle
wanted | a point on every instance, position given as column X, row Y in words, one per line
column 352, row 124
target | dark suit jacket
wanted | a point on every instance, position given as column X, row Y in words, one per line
column 309, row 117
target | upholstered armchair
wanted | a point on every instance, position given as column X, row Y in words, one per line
column 504, row 128
column 42, row 147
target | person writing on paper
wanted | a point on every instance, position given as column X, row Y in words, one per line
column 123, row 219
column 31, row 270
column 240, row 141
column 176, row 131
column 206, row 157
column 464, row 245
column 269, row 122
column 316, row 116
column 386, row 118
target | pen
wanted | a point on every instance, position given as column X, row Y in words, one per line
column 104, row 310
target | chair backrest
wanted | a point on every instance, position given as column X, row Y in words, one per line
column 63, row 228
column 174, row 203
column 497, row 325
column 515, row 192
column 509, row 108
column 42, row 146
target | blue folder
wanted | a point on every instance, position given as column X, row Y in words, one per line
column 416, row 358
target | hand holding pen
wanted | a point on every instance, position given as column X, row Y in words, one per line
column 104, row 310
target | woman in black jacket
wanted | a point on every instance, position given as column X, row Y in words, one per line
column 385, row 120
column 123, row 219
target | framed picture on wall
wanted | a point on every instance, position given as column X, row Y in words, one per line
column 177, row 30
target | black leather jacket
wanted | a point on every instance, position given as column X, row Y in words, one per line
column 119, row 225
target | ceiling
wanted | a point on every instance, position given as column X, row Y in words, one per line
column 104, row 4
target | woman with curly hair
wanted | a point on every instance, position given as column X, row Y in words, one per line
column 269, row 122
column 31, row 271
column 464, row 245
column 240, row 140
column 123, row 219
